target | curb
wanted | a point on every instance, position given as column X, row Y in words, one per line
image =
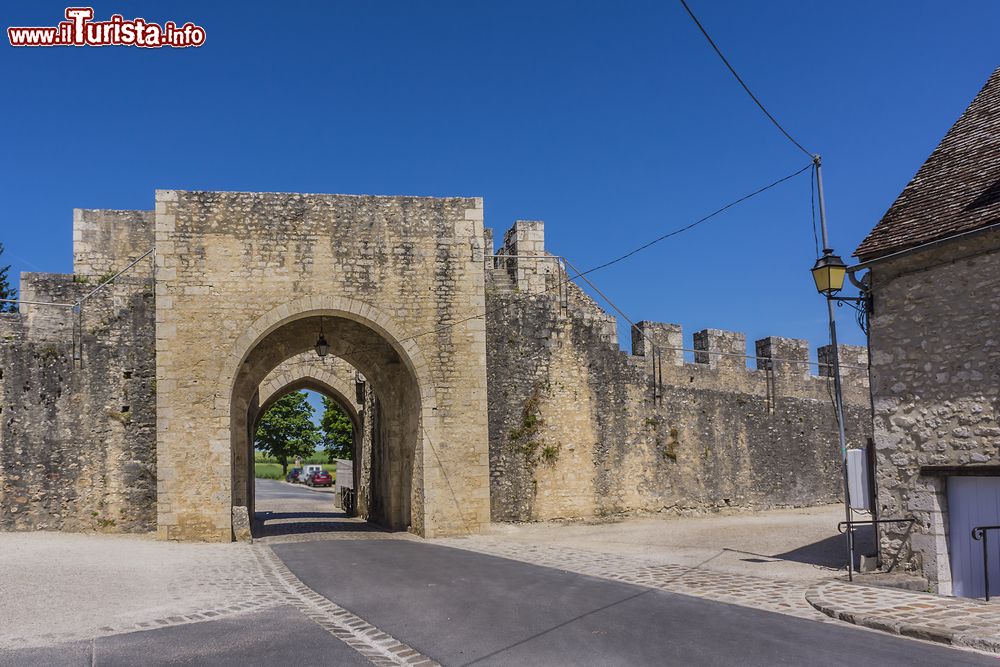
column 814, row 596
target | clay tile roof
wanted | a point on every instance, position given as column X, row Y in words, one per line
column 956, row 190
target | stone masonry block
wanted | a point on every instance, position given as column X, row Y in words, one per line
column 720, row 349
column 783, row 356
column 525, row 241
column 853, row 362
column 669, row 338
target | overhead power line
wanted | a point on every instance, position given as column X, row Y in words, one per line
column 558, row 284
column 697, row 222
column 742, row 82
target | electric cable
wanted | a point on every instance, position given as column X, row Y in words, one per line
column 580, row 274
column 696, row 222
column 742, row 82
column 625, row 256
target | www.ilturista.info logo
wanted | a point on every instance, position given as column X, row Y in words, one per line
column 79, row 29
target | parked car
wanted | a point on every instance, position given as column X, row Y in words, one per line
column 307, row 470
column 321, row 478
column 293, row 475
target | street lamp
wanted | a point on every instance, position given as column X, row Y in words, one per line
column 322, row 347
column 828, row 274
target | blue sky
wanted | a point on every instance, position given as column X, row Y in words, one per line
column 613, row 122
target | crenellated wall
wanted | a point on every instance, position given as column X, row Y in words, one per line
column 579, row 428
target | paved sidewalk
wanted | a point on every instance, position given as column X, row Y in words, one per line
column 57, row 587
column 788, row 544
column 954, row 621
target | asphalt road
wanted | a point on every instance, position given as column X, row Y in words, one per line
column 465, row 608
column 272, row 489
column 279, row 636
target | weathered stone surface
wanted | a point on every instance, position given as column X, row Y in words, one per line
column 105, row 241
column 935, row 378
column 529, row 412
column 248, row 280
column 578, row 429
column 241, row 524
column 77, row 436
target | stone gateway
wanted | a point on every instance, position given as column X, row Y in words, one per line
column 483, row 384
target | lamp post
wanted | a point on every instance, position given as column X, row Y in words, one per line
column 829, row 273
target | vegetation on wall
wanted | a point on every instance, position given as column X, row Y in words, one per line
column 6, row 291
column 525, row 436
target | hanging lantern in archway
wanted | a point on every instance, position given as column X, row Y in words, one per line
column 322, row 347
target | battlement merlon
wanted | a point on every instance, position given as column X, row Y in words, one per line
column 106, row 240
column 668, row 338
column 783, row 356
column 720, row 349
column 853, row 363
column 529, row 265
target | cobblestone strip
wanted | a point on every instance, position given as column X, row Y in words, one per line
column 377, row 646
column 956, row 621
column 784, row 597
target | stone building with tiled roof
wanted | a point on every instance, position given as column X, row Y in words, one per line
column 934, row 281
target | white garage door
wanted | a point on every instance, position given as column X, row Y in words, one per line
column 973, row 501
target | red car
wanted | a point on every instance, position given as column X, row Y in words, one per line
column 321, row 478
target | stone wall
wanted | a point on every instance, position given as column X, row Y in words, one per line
column 77, row 415
column 935, row 376
column 580, row 429
column 245, row 280
column 329, row 375
column 106, row 241
column 534, row 413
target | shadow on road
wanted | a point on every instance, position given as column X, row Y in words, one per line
column 832, row 551
column 274, row 524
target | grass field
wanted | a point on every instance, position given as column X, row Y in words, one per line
column 267, row 470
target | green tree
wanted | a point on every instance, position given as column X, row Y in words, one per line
column 6, row 291
column 338, row 432
column 287, row 430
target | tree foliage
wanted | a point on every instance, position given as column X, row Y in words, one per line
column 6, row 291
column 338, row 431
column 287, row 430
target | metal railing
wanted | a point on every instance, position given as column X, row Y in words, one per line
column 77, row 306
column 979, row 534
column 849, row 525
